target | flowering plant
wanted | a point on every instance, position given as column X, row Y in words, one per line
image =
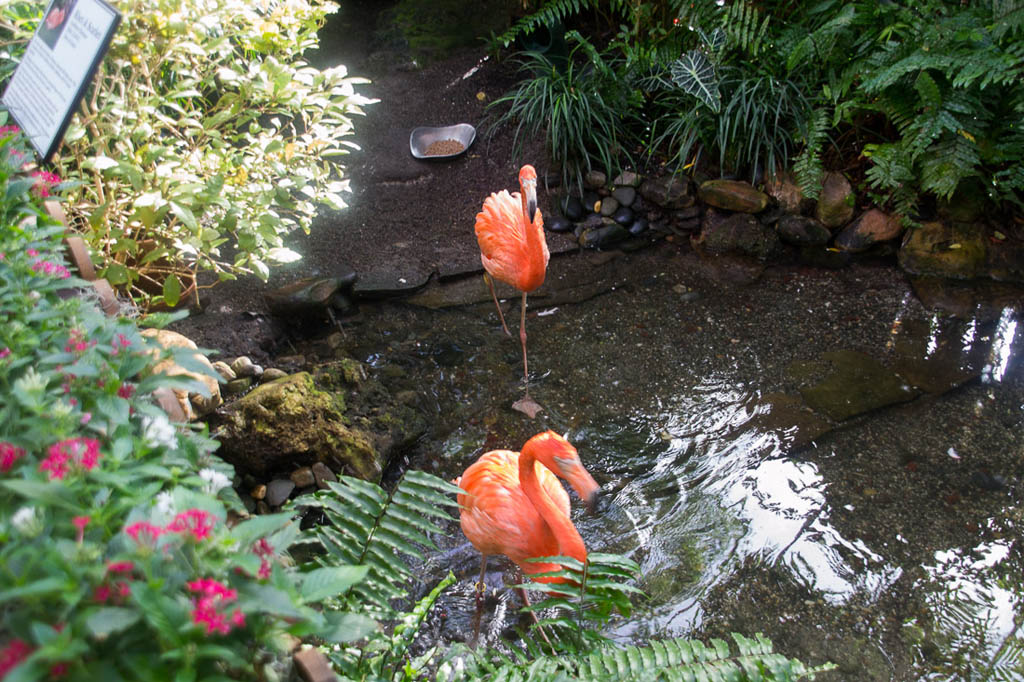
column 120, row 552
column 205, row 127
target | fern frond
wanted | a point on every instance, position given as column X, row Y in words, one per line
column 673, row 659
column 947, row 163
column 1007, row 18
column 808, row 166
column 745, row 28
column 551, row 12
column 367, row 526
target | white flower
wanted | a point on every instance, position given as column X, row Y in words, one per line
column 214, row 481
column 165, row 502
column 26, row 522
column 158, row 431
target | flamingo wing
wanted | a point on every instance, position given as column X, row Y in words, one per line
column 498, row 517
column 501, row 234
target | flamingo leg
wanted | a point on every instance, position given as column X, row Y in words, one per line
column 526, row 404
column 536, row 621
column 522, row 340
column 494, row 295
column 479, row 588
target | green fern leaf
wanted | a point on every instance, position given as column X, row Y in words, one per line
column 365, row 526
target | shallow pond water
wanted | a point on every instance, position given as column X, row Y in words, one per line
column 886, row 541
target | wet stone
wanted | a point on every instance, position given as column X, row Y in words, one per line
column 278, row 491
column 303, row 477
column 558, row 224
column 870, row 228
column 572, row 208
column 590, row 202
column 625, row 195
column 322, row 475
column 236, row 386
column 242, row 367
column 609, row 205
column 595, row 179
column 624, row 216
column 273, row 374
column 308, row 296
column 605, row 235
column 835, row 204
column 733, row 195
column 626, row 178
column 801, row 230
column 670, row 192
column 638, row 226
column 224, row 369
column 851, row 383
column 388, row 281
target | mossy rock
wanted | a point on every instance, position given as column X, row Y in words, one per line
column 955, row 251
column 289, row 422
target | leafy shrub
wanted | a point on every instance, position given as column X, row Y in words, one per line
column 116, row 556
column 206, row 139
column 583, row 109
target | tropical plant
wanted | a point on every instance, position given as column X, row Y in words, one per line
column 583, row 109
column 117, row 559
column 205, row 140
column 672, row 659
column 361, row 523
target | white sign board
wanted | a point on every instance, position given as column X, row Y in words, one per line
column 56, row 69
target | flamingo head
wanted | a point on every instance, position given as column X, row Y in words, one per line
column 558, row 455
column 528, row 186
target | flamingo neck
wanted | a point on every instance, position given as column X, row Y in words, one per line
column 569, row 541
column 534, row 242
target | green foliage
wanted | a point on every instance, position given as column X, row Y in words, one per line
column 367, row 525
column 116, row 558
column 583, row 110
column 205, row 139
column 590, row 594
column 673, row 659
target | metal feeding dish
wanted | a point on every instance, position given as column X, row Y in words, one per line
column 441, row 143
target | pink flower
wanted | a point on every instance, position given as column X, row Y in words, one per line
column 101, row 594
column 120, row 342
column 120, row 567
column 80, row 523
column 32, row 253
column 213, row 595
column 85, row 452
column 264, row 551
column 45, row 181
column 11, row 656
column 77, row 343
column 85, row 418
column 6, row 351
column 49, row 268
column 146, row 530
column 9, row 130
column 9, row 454
column 126, row 390
column 195, row 521
column 59, row 670
column 57, row 464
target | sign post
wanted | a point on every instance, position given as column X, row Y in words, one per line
column 55, row 71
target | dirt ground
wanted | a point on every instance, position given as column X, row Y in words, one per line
column 407, row 219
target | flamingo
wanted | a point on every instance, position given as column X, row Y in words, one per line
column 510, row 232
column 514, row 505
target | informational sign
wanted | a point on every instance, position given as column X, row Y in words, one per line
column 59, row 62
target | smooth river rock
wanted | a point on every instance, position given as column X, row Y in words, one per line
column 733, row 195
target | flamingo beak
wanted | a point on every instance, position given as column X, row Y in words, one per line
column 585, row 486
column 530, row 188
